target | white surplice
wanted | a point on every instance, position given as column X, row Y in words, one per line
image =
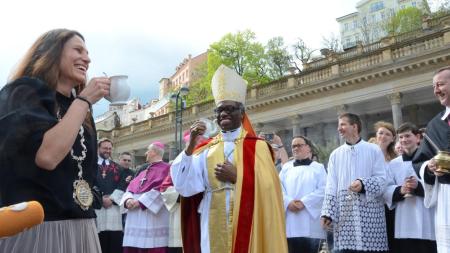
column 110, row 219
column 170, row 197
column 412, row 219
column 438, row 196
column 358, row 218
column 146, row 228
column 190, row 176
column 305, row 183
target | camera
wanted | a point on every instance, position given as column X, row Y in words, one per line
column 269, row 137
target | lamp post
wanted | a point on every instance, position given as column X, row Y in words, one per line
column 179, row 106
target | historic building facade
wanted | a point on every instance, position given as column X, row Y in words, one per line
column 367, row 24
column 133, row 112
column 388, row 80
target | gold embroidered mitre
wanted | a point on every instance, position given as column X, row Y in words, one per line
column 226, row 84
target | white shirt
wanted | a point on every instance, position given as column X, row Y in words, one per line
column 100, row 161
column 305, row 183
column 447, row 112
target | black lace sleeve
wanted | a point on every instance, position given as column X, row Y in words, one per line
column 27, row 111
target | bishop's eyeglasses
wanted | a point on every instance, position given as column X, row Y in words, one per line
column 228, row 109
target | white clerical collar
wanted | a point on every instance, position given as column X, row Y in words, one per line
column 100, row 161
column 447, row 112
column 231, row 135
column 356, row 143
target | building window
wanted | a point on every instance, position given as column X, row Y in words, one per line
column 413, row 4
column 355, row 24
column 346, row 27
column 376, row 6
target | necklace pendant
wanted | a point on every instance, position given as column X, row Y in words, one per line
column 103, row 174
column 82, row 194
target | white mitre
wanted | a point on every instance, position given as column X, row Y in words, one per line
column 226, row 84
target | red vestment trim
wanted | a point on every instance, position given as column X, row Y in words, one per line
column 247, row 201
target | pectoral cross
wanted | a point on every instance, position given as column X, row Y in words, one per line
column 142, row 181
column 104, row 173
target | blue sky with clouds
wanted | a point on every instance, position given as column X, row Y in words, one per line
column 146, row 40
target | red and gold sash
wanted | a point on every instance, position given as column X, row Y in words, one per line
column 256, row 223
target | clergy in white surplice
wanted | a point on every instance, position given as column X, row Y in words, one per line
column 147, row 223
column 437, row 184
column 111, row 182
column 353, row 206
column 414, row 224
column 303, row 184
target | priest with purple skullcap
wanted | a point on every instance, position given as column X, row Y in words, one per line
column 147, row 222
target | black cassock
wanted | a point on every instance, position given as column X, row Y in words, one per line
column 439, row 132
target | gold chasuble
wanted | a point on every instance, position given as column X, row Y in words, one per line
column 256, row 221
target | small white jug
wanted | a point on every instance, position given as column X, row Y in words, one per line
column 119, row 91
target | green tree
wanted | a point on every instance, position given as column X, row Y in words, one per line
column 200, row 89
column 256, row 63
column 278, row 57
column 242, row 52
column 405, row 20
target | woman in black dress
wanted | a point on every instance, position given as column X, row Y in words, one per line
column 48, row 149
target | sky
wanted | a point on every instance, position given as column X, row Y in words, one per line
column 146, row 39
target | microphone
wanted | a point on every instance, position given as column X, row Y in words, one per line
column 19, row 217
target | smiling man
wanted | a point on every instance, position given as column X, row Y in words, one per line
column 241, row 207
column 109, row 218
column 437, row 184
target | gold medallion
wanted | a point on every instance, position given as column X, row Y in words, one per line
column 82, row 194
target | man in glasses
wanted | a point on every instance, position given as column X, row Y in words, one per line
column 353, row 206
column 232, row 178
column 303, row 183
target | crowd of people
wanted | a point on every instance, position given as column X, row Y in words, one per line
column 235, row 192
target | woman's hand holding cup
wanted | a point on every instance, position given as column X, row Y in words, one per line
column 96, row 89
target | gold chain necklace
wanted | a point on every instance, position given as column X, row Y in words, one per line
column 82, row 193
